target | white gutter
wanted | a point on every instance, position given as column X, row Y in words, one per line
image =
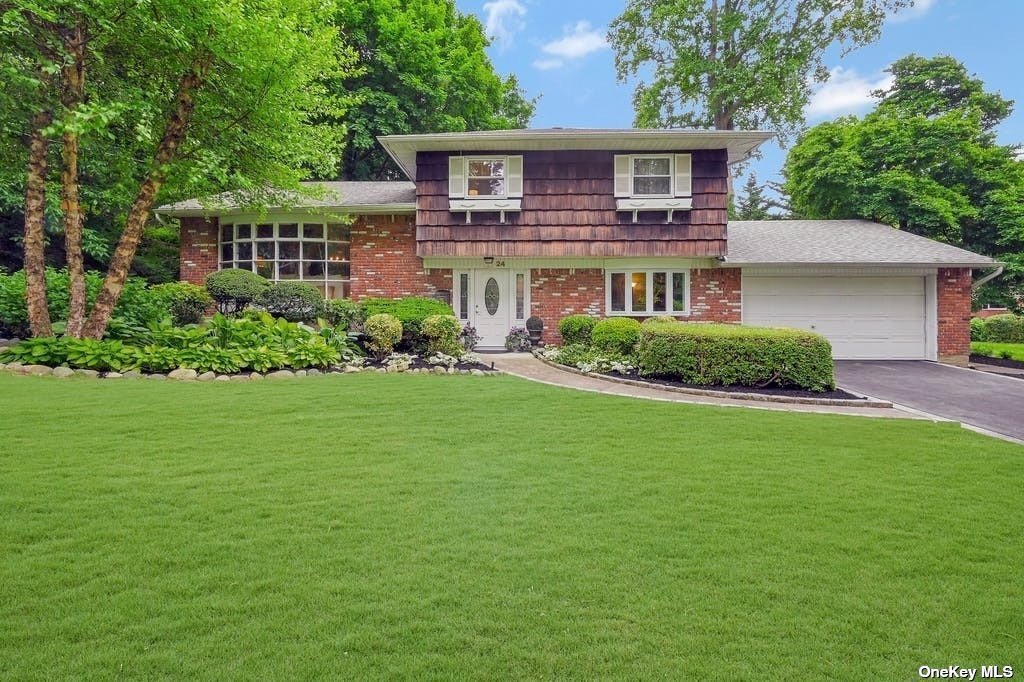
column 987, row 278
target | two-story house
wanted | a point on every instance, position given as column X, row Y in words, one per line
column 512, row 224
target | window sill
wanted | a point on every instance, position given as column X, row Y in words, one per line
column 670, row 205
column 471, row 206
column 623, row 313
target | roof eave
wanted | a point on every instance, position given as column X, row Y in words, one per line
column 352, row 209
column 864, row 264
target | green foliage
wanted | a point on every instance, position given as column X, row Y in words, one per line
column 590, row 359
column 977, row 329
column 233, row 289
column 340, row 312
column 660, row 319
column 1006, row 351
column 442, row 333
column 138, row 305
column 258, row 343
column 294, row 301
column 518, row 340
column 753, row 205
column 186, row 302
column 747, row 64
column 426, row 70
column 411, row 311
column 576, row 329
column 384, row 331
column 729, row 355
column 925, row 161
column 616, row 334
column 1001, row 329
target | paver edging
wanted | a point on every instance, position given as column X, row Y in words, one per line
column 710, row 393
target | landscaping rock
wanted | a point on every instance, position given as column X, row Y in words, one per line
column 352, row 369
column 183, row 374
column 5, row 342
column 207, row 376
column 157, row 377
column 91, row 373
column 3, row 366
column 300, row 372
column 38, row 370
column 313, row 372
column 132, row 374
column 255, row 376
column 15, row 367
column 113, row 375
column 281, row 374
column 63, row 372
column 222, row 377
column 381, row 370
column 477, row 372
column 239, row 377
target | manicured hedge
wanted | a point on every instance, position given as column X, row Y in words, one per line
column 998, row 329
column 576, row 329
column 728, row 355
column 294, row 301
column 616, row 334
column 411, row 310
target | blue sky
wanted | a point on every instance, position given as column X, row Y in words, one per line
column 558, row 51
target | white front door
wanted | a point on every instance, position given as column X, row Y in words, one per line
column 492, row 306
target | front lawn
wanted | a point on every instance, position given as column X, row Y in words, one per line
column 369, row 526
column 1005, row 351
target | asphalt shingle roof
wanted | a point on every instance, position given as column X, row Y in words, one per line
column 831, row 242
column 401, row 194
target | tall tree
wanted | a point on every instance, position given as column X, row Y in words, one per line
column 925, row 160
column 753, row 205
column 728, row 64
column 190, row 97
column 423, row 68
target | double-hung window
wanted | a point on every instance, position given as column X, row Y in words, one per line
column 485, row 184
column 648, row 292
column 652, row 176
column 653, row 182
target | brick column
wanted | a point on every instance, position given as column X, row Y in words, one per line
column 198, row 250
column 953, row 293
column 715, row 295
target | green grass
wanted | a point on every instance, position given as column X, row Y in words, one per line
column 374, row 526
column 1009, row 351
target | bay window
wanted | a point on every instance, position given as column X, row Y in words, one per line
column 647, row 292
column 316, row 252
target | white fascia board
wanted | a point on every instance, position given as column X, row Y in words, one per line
column 365, row 209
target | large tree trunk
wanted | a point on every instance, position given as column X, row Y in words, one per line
column 72, row 95
column 124, row 254
column 35, row 237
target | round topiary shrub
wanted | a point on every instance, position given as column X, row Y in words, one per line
column 442, row 332
column 234, row 289
column 187, row 302
column 576, row 329
column 616, row 334
column 294, row 301
column 383, row 332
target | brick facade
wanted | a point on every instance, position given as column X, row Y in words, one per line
column 953, row 291
column 197, row 256
column 715, row 295
column 384, row 260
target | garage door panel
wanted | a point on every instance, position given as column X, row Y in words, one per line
column 863, row 317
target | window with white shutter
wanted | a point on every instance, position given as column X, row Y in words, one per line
column 485, row 184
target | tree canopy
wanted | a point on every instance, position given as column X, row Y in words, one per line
column 729, row 64
column 925, row 160
column 422, row 68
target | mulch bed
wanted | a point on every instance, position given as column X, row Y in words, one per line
column 1000, row 362
column 837, row 394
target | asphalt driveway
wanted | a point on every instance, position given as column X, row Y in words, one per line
column 984, row 400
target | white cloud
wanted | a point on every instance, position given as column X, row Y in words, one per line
column 548, row 64
column 504, row 18
column 577, row 41
column 1020, row 154
column 845, row 92
column 918, row 10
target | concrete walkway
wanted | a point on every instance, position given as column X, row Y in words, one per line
column 526, row 366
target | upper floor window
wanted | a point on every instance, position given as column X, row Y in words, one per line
column 652, row 176
column 485, row 178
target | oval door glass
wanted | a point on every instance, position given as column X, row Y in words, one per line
column 491, row 295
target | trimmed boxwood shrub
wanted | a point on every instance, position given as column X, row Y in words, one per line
column 234, row 289
column 410, row 311
column 341, row 312
column 977, row 329
column 616, row 334
column 1003, row 329
column 576, row 329
column 294, row 301
column 661, row 319
column 730, row 355
column 442, row 333
column 383, row 332
column 186, row 302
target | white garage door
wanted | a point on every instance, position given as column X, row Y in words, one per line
column 863, row 317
